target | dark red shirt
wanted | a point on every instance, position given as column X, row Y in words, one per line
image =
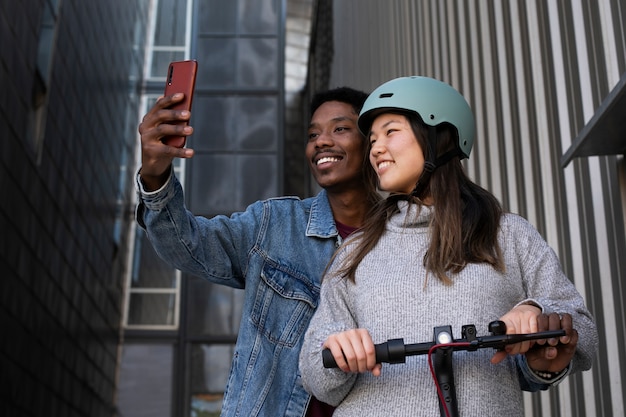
column 319, row 409
column 344, row 230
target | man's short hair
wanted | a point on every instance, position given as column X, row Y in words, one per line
column 347, row 95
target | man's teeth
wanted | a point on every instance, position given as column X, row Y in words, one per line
column 327, row 159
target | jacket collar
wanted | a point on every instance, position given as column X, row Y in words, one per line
column 321, row 222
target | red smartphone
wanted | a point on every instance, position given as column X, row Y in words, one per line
column 181, row 78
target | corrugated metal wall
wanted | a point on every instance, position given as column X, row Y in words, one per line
column 534, row 72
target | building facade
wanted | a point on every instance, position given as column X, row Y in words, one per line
column 71, row 73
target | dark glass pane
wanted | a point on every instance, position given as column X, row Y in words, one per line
column 258, row 17
column 235, row 123
column 213, row 182
column 149, row 271
column 217, row 16
column 217, row 59
column 145, row 381
column 258, row 63
column 228, row 183
column 209, row 367
column 261, row 178
column 213, row 310
column 151, row 309
column 258, row 123
column 171, row 23
column 161, row 60
column 214, row 121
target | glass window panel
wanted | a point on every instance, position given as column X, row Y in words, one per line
column 145, row 381
column 259, row 17
column 171, row 23
column 209, row 367
column 235, row 123
column 46, row 43
column 258, row 63
column 257, row 123
column 261, row 177
column 214, row 121
column 213, row 310
column 217, row 59
column 228, row 183
column 217, row 16
column 213, row 180
column 148, row 309
column 149, row 271
column 161, row 60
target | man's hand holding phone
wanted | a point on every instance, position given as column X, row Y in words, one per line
column 181, row 78
column 164, row 130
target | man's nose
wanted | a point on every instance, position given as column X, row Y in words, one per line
column 324, row 139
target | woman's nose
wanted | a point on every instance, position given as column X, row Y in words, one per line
column 377, row 149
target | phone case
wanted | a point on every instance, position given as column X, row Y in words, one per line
column 181, row 78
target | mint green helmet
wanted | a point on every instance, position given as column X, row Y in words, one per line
column 436, row 102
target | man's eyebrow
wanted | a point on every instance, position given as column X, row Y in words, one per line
column 335, row 120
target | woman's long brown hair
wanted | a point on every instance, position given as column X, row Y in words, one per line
column 465, row 222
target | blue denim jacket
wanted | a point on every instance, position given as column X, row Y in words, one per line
column 277, row 250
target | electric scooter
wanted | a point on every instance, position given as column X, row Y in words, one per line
column 443, row 345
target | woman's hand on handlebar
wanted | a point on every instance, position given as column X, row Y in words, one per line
column 354, row 351
column 521, row 319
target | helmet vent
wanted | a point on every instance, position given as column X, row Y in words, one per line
column 432, row 117
column 386, row 95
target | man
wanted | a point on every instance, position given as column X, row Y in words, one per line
column 276, row 250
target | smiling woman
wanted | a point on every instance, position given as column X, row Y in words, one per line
column 395, row 153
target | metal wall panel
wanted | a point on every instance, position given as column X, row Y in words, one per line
column 534, row 72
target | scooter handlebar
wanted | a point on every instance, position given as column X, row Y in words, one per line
column 395, row 351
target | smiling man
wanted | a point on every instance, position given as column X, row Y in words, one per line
column 276, row 250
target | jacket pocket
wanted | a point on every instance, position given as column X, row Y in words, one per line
column 284, row 304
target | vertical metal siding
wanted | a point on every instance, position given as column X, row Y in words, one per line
column 534, row 72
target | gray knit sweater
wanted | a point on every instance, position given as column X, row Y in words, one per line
column 392, row 300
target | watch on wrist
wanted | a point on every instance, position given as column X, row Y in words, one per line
column 547, row 374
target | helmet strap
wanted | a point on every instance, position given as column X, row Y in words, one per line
column 432, row 162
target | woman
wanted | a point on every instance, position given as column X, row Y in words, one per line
column 438, row 251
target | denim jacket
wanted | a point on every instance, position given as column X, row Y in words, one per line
column 277, row 250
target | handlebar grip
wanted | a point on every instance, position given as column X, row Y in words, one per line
column 391, row 351
column 328, row 359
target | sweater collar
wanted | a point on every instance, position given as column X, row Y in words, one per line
column 411, row 215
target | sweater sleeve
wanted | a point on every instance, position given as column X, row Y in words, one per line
column 547, row 285
column 332, row 316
